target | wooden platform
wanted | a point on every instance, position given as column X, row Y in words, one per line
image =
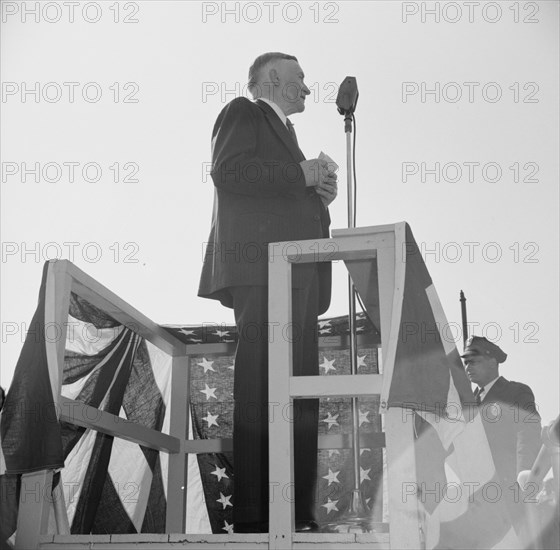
column 317, row 541
column 371, row 257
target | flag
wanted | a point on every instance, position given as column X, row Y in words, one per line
column 110, row 485
column 31, row 436
column 113, row 485
column 458, row 489
column 212, row 416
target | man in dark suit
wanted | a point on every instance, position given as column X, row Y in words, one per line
column 266, row 191
column 510, row 419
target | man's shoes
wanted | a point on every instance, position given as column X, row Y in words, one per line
column 307, row 526
column 251, row 527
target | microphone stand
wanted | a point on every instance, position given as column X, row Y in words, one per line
column 357, row 518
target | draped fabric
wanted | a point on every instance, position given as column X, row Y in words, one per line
column 110, row 485
column 114, row 486
column 458, row 487
column 212, row 416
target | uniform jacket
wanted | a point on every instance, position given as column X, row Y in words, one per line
column 513, row 427
column 260, row 197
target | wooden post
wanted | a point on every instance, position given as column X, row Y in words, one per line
column 57, row 303
column 404, row 524
column 34, row 506
column 392, row 269
column 281, row 455
column 59, row 508
column 178, row 462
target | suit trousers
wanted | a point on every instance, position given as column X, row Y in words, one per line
column 252, row 409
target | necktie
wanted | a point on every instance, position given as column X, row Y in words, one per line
column 478, row 393
column 290, row 127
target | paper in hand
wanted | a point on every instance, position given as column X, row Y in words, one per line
column 333, row 166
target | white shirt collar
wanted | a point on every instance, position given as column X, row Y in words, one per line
column 277, row 109
column 487, row 387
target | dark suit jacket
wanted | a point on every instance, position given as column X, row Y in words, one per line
column 513, row 428
column 260, row 197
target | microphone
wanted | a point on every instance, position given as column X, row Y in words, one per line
column 347, row 97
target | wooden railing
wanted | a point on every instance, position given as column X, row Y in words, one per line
column 370, row 255
column 64, row 278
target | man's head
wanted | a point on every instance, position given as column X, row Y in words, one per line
column 278, row 77
column 482, row 359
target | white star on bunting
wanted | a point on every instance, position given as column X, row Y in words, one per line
column 221, row 333
column 327, row 365
column 330, row 505
column 206, row 365
column 364, row 474
column 332, row 477
column 362, row 361
column 187, row 332
column 323, row 324
column 219, row 473
column 210, row 419
column 363, row 417
column 209, row 392
column 331, row 420
column 333, row 452
column 224, row 501
column 228, row 527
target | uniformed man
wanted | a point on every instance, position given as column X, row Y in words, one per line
column 510, row 419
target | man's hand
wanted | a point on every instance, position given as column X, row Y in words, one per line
column 327, row 190
column 318, row 174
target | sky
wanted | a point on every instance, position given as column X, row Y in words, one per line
column 107, row 110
